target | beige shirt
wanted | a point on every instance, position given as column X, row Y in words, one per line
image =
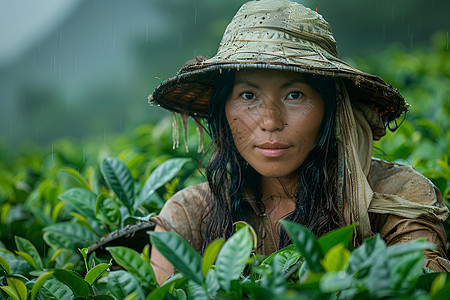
column 182, row 213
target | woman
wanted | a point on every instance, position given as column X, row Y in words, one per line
column 292, row 128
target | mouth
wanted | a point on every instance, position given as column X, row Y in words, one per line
column 273, row 150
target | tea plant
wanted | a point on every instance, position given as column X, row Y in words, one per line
column 56, row 201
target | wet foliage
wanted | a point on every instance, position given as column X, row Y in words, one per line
column 57, row 201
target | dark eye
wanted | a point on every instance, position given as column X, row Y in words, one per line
column 248, row 96
column 294, row 95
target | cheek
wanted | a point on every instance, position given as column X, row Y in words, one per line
column 240, row 133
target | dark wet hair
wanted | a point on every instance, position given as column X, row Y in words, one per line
column 228, row 173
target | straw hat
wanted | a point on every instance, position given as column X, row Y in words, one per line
column 275, row 34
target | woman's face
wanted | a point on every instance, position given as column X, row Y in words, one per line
column 275, row 119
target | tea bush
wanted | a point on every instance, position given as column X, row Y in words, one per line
column 61, row 208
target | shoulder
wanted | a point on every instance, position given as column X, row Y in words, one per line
column 404, row 181
column 192, row 196
column 182, row 214
column 187, row 204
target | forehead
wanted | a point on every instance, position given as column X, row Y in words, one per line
column 256, row 75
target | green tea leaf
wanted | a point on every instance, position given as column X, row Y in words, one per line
column 180, row 294
column 276, row 281
column 121, row 284
column 196, row 291
column 179, row 253
column 378, row 280
column 337, row 236
column 335, row 281
column 366, row 255
column 233, row 257
column 16, row 289
column 71, row 235
column 5, row 265
column 77, row 176
column 160, row 176
column 212, row 284
column 439, row 288
column 210, row 254
column 414, row 246
column 81, row 200
column 120, row 180
column 107, row 210
column 26, row 246
column 56, row 210
column 131, row 261
column 287, row 258
column 163, row 290
column 336, row 258
column 40, row 282
column 56, row 290
column 306, row 243
column 131, row 296
column 27, row 257
column 271, row 256
column 242, row 224
column 405, row 270
column 438, row 284
column 79, row 287
column 16, row 263
column 145, row 254
column 96, row 272
column 84, row 253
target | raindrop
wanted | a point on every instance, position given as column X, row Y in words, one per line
column 146, row 35
column 195, row 16
column 52, row 153
column 104, row 135
column 60, row 38
column 447, row 40
column 84, row 154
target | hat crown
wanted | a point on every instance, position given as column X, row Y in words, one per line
column 279, row 21
column 278, row 35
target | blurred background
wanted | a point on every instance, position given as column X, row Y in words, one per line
column 82, row 69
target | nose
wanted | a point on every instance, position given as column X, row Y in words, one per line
column 272, row 116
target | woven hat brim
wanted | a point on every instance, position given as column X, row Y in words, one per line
column 189, row 91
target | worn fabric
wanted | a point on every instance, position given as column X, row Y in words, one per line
column 182, row 213
column 354, row 139
column 356, row 199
